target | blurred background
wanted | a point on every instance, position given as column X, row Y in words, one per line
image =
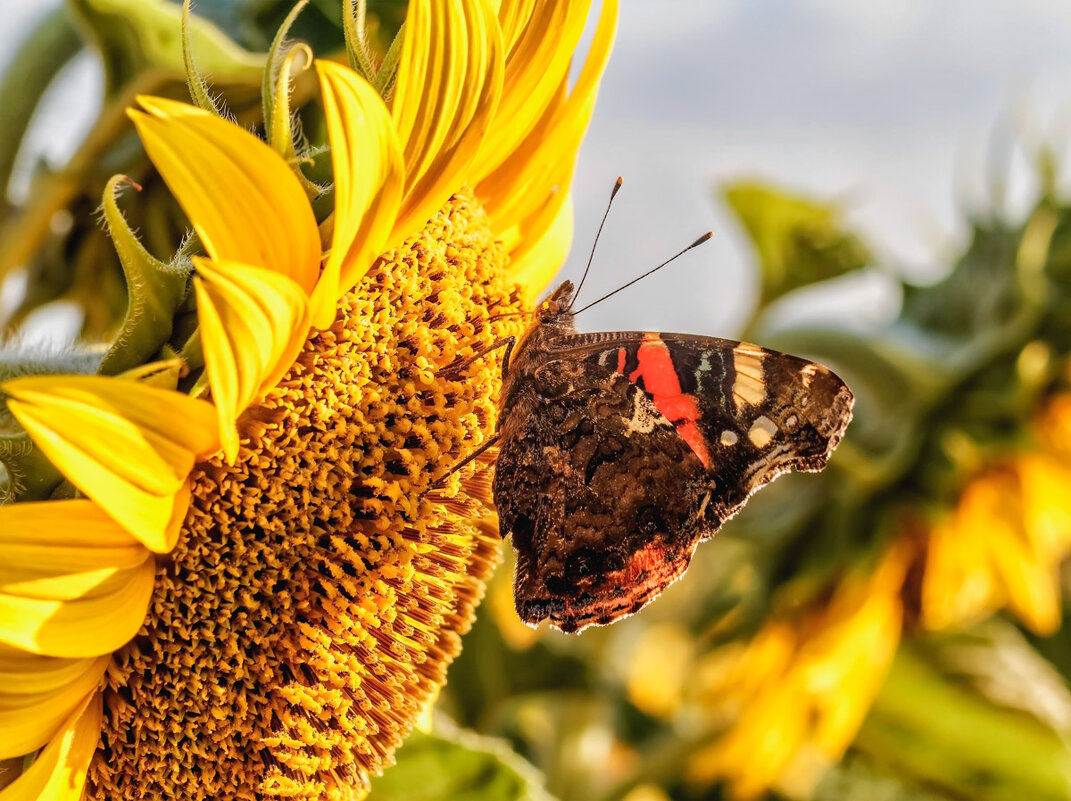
column 884, row 182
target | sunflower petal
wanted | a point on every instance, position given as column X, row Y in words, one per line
column 369, row 178
column 61, row 549
column 37, row 693
column 542, row 164
column 541, row 252
column 126, row 445
column 242, row 198
column 448, row 86
column 97, row 623
column 541, row 38
column 253, row 323
column 59, row 772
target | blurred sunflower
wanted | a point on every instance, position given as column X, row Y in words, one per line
column 1003, row 542
column 796, row 694
column 311, row 596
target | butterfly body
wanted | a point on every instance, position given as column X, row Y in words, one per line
column 620, row 451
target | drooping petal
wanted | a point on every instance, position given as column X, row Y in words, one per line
column 369, row 177
column 242, row 198
column 540, row 39
column 37, row 693
column 253, row 323
column 448, row 86
column 100, row 621
column 61, row 549
column 59, row 771
column 126, row 445
column 542, row 164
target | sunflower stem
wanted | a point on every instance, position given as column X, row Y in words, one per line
column 42, row 55
column 23, row 233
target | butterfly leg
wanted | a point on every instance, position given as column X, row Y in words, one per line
column 455, row 368
column 487, row 444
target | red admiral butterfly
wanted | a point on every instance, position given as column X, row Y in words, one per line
column 620, row 451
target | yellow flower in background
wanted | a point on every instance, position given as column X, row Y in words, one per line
column 797, row 693
column 1002, row 545
column 311, row 597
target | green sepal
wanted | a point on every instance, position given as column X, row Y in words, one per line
column 355, row 30
column 457, row 765
column 277, row 60
column 155, row 290
column 799, row 241
column 134, row 36
column 196, row 82
column 26, row 474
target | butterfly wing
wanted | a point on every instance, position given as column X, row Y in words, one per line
column 623, row 450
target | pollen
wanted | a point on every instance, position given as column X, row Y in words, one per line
column 318, row 592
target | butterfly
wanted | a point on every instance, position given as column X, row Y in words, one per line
column 620, row 451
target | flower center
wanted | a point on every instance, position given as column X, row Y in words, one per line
column 315, row 598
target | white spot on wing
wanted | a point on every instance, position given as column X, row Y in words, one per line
column 762, row 431
column 728, row 438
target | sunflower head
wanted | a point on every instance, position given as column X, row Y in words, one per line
column 243, row 586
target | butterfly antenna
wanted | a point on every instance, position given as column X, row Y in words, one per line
column 584, row 277
column 695, row 244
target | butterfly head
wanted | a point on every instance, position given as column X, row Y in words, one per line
column 557, row 305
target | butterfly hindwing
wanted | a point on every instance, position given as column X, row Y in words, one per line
column 598, row 491
column 621, row 451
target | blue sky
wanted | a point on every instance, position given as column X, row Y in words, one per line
column 890, row 105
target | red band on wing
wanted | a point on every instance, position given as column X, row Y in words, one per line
column 655, row 367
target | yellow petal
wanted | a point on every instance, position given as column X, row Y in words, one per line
column 37, row 693
column 1033, row 586
column 541, row 38
column 369, row 178
column 253, row 324
column 59, row 772
column 448, row 86
column 542, row 164
column 61, row 549
column 126, row 445
column 541, row 254
column 98, row 623
column 241, row 197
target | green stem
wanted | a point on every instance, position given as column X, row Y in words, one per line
column 42, row 55
column 22, row 234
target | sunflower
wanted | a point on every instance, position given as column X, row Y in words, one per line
column 1002, row 544
column 236, row 585
column 797, row 693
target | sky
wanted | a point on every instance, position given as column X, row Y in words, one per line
column 901, row 109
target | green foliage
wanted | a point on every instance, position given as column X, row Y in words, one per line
column 454, row 765
column 799, row 241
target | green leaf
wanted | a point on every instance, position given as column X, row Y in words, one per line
column 798, row 241
column 134, row 36
column 457, row 765
column 942, row 733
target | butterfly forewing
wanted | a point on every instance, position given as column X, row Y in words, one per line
column 620, row 451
